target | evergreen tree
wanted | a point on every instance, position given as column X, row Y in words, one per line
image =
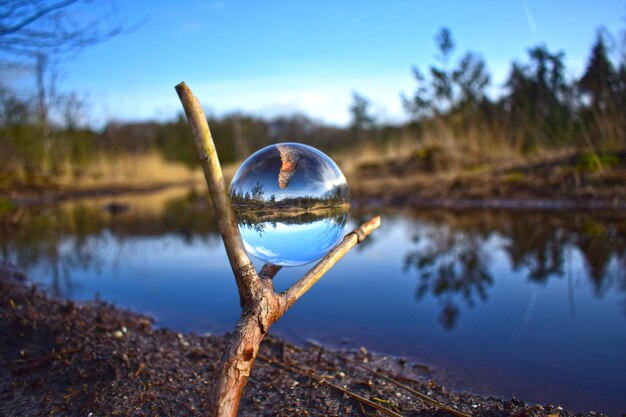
column 362, row 121
column 603, row 96
column 538, row 105
column 599, row 79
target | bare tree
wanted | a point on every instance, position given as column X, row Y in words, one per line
column 261, row 305
column 31, row 28
column 38, row 34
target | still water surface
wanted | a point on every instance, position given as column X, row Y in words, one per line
column 503, row 303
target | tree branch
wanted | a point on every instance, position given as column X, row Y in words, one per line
column 245, row 275
column 260, row 305
column 307, row 281
column 36, row 15
column 269, row 271
column 55, row 28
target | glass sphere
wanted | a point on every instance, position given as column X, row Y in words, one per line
column 292, row 204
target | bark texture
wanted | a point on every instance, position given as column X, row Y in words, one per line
column 242, row 348
column 261, row 306
column 289, row 163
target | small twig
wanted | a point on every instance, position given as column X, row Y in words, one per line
column 51, row 355
column 425, row 398
column 322, row 380
column 139, row 369
column 35, row 364
column 366, row 414
column 386, row 402
column 364, row 400
column 307, row 281
column 15, row 219
column 269, row 271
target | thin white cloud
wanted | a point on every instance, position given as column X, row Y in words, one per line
column 529, row 17
column 320, row 97
column 265, row 251
column 323, row 97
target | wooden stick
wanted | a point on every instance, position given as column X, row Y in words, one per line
column 423, row 397
column 237, row 255
column 321, row 380
column 260, row 305
column 307, row 281
column 269, row 271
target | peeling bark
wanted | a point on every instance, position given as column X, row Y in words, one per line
column 289, row 163
column 261, row 306
column 241, row 350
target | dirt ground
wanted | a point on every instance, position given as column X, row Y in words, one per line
column 60, row 358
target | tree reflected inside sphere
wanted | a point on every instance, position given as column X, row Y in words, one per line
column 292, row 204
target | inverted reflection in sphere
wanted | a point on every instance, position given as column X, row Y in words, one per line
column 291, row 202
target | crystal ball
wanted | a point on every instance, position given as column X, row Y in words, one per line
column 291, row 202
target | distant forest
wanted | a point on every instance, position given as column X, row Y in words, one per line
column 255, row 199
column 540, row 108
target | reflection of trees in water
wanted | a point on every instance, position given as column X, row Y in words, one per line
column 255, row 198
column 600, row 246
column 537, row 249
column 450, row 265
column 546, row 244
column 258, row 221
column 190, row 217
column 42, row 239
column 66, row 238
column 255, row 225
column 542, row 244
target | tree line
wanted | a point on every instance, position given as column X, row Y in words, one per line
column 539, row 107
column 255, row 199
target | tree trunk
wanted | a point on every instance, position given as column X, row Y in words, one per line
column 242, row 347
column 41, row 69
column 234, row 369
column 261, row 306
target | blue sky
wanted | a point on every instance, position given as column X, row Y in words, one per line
column 276, row 57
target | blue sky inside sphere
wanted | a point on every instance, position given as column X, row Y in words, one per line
column 293, row 244
column 294, row 222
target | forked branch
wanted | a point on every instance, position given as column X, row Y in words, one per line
column 260, row 304
column 307, row 281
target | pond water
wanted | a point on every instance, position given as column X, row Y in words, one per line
column 506, row 303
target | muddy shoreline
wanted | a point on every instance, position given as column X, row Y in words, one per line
column 72, row 359
column 34, row 196
column 563, row 182
column 362, row 199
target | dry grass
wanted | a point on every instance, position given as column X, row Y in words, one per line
column 129, row 169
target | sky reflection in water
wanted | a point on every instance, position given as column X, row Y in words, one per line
column 524, row 304
column 291, row 202
column 293, row 244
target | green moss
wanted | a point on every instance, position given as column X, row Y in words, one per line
column 427, row 152
column 477, row 169
column 593, row 229
column 366, row 166
column 6, row 206
column 422, row 153
column 591, row 161
column 513, row 177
